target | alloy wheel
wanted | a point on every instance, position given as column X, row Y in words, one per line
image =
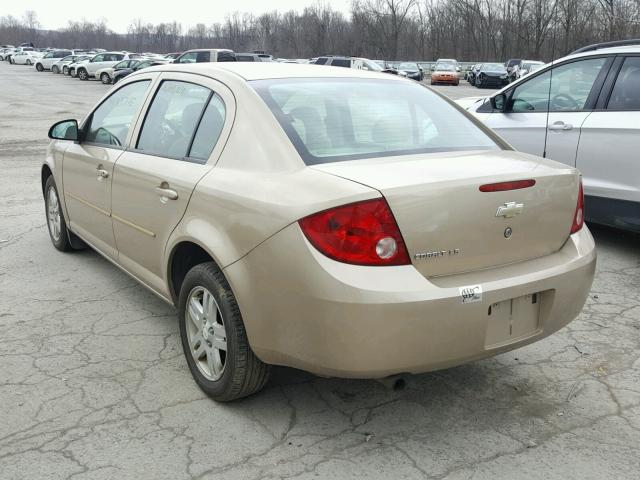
column 206, row 333
column 53, row 213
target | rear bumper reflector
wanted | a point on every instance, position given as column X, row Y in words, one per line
column 504, row 186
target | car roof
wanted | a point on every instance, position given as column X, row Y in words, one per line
column 269, row 70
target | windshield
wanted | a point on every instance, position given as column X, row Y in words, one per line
column 445, row 67
column 369, row 65
column 408, row 66
column 331, row 120
column 493, row 67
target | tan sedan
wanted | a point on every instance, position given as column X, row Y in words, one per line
column 345, row 222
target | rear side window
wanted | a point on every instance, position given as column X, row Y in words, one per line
column 626, row 91
column 203, row 57
column 321, row 61
column 330, row 120
column 172, row 119
column 341, row 62
column 209, row 129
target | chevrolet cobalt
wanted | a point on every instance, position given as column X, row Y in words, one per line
column 345, row 222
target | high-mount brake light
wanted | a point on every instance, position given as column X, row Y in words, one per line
column 505, row 186
column 361, row 233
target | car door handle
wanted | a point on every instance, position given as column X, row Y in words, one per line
column 102, row 173
column 167, row 193
column 560, row 126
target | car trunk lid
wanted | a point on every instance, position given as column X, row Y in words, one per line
column 450, row 226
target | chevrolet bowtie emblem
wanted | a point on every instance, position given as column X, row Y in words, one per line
column 509, row 209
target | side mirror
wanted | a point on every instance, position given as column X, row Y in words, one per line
column 64, row 130
column 499, row 102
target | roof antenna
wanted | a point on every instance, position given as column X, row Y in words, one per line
column 553, row 59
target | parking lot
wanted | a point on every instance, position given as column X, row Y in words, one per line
column 94, row 384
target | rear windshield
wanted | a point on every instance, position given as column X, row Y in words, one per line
column 332, row 120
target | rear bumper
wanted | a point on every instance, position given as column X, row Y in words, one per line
column 452, row 80
column 304, row 310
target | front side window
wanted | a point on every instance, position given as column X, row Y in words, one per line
column 109, row 123
column 571, row 84
column 626, row 91
column 172, row 119
column 341, row 62
column 332, row 120
column 187, row 58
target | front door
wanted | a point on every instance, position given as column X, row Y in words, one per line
column 176, row 146
column 88, row 165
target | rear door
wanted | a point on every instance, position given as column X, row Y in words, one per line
column 176, row 144
column 608, row 150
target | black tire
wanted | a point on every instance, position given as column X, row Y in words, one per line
column 105, row 78
column 243, row 373
column 62, row 243
column 39, row 67
column 82, row 74
column 55, row 69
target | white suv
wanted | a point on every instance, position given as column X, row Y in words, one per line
column 102, row 60
column 50, row 58
column 204, row 55
column 582, row 110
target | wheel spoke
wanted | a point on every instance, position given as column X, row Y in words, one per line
column 195, row 312
column 214, row 363
column 209, row 306
column 220, row 343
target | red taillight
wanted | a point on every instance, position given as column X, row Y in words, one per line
column 504, row 186
column 362, row 233
column 578, row 217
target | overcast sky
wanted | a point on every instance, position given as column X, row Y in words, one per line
column 119, row 13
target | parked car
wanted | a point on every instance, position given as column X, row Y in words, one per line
column 413, row 71
column 26, row 57
column 492, row 75
column 102, row 60
column 4, row 52
column 72, row 68
column 356, row 63
column 247, row 57
column 472, row 74
column 106, row 74
column 327, row 240
column 526, row 67
column 60, row 64
column 445, row 73
column 8, row 56
column 509, row 65
column 172, row 56
column 47, row 61
column 119, row 74
column 584, row 111
column 453, row 61
column 204, row 55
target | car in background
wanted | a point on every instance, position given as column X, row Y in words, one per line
column 248, row 57
column 5, row 52
column 47, row 61
column 445, row 73
column 582, row 110
column 367, row 199
column 58, row 66
column 413, row 70
column 525, row 67
column 449, row 60
column 72, row 68
column 509, row 66
column 491, row 75
column 120, row 73
column 356, row 63
column 102, row 60
column 26, row 57
column 172, row 56
column 205, row 55
column 472, row 73
column 105, row 75
column 8, row 55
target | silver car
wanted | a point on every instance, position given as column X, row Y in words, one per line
column 582, row 110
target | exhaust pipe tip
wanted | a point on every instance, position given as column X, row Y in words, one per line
column 395, row 383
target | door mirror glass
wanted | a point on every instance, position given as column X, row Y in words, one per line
column 64, row 130
column 499, row 102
